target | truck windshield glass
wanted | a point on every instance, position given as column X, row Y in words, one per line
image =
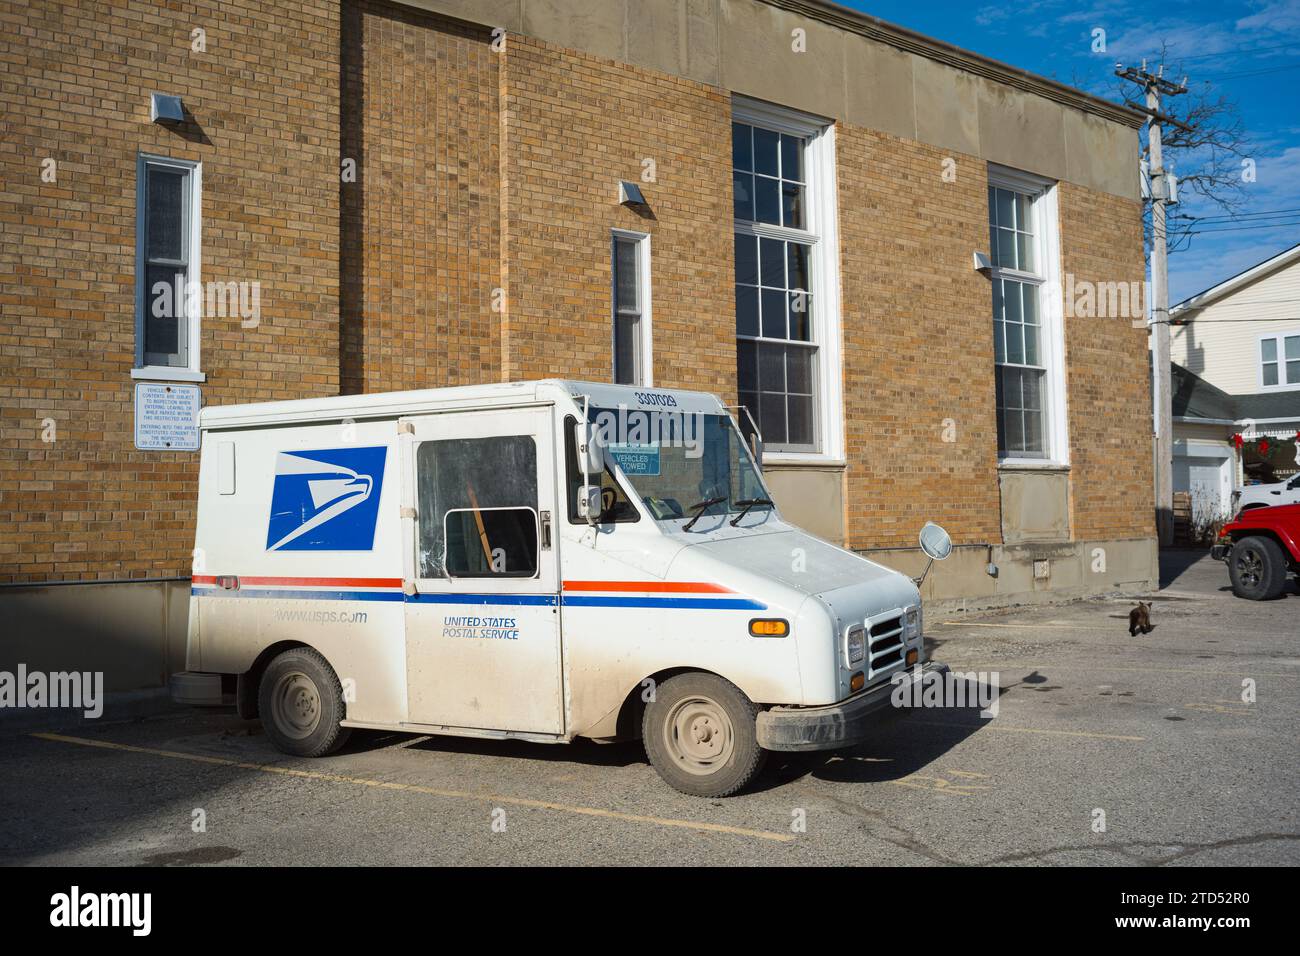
column 675, row 460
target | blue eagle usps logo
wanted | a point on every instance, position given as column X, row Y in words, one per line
column 326, row 500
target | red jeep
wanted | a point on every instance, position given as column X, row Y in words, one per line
column 1262, row 548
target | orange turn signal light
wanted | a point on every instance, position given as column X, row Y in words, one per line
column 912, row 656
column 857, row 681
column 769, row 627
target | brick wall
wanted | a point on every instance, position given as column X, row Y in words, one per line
column 576, row 125
column 1111, row 480
column 421, row 247
column 75, row 79
column 918, row 343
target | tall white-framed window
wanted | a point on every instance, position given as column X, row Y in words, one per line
column 1279, row 360
column 787, row 280
column 1028, row 326
column 168, row 297
column 633, row 347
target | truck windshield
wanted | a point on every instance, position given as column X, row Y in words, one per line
column 675, row 460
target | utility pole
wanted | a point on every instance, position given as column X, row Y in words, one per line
column 1154, row 84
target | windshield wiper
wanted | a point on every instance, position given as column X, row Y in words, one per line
column 747, row 503
column 703, row 506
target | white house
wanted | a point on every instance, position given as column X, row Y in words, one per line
column 1235, row 350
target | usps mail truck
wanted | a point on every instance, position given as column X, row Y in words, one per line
column 537, row 561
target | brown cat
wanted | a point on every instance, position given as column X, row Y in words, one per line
column 1139, row 619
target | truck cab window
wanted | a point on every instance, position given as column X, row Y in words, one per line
column 477, row 507
column 616, row 508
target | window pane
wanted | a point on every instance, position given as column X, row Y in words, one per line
column 1024, row 213
column 797, row 257
column 746, row 310
column 742, row 185
column 792, row 205
column 1029, row 296
column 791, row 158
column 1270, row 373
column 800, row 422
column 771, row 421
column 772, row 253
column 1012, row 300
column 495, row 543
column 1005, row 208
column 747, row 259
column 1268, row 348
column 1015, row 343
column 771, row 367
column 474, row 474
column 767, row 200
column 164, row 325
column 1025, row 253
column 798, row 366
column 746, row 367
column 1033, row 440
column 626, row 286
column 1031, row 333
column 627, row 352
column 1031, row 384
column 1292, row 347
column 765, row 152
column 1293, row 372
column 800, row 316
column 1013, row 431
column 742, row 151
column 1005, row 249
column 774, row 308
column 165, row 205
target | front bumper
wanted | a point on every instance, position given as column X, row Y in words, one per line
column 1220, row 552
column 835, row 725
column 198, row 689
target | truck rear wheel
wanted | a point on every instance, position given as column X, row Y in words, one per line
column 700, row 736
column 1257, row 568
column 300, row 701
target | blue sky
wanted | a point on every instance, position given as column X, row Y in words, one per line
column 1214, row 42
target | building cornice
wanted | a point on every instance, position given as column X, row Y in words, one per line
column 873, row 28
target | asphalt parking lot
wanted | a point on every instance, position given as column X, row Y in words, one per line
column 1152, row 731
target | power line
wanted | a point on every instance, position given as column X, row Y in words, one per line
column 1260, row 225
column 1235, row 76
column 1264, row 213
column 1246, row 51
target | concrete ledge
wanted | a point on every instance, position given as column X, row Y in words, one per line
column 118, row 706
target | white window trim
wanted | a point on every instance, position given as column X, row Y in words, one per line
column 1051, row 312
column 1280, row 338
column 174, row 373
column 823, row 222
column 642, row 240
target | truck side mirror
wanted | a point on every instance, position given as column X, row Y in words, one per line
column 589, row 503
column 591, row 459
column 936, row 544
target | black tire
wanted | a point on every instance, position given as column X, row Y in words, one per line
column 300, row 701
column 707, row 709
column 1257, row 568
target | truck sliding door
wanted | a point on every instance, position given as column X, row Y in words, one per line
column 482, row 628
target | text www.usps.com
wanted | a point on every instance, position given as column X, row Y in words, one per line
column 320, row 617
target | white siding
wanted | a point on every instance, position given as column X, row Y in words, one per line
column 1226, row 354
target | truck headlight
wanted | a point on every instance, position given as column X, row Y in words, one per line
column 912, row 624
column 856, row 645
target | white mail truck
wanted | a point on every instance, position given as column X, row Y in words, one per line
column 537, row 561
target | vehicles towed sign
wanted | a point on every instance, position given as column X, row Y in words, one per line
column 326, row 500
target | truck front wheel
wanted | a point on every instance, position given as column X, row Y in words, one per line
column 300, row 701
column 700, row 736
column 1257, row 568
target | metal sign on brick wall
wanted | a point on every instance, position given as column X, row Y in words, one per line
column 167, row 417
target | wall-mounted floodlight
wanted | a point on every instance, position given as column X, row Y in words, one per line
column 629, row 194
column 165, row 109
column 983, row 264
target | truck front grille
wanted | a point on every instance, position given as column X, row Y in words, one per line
column 884, row 643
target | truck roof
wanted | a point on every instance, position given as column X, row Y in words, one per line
column 393, row 404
